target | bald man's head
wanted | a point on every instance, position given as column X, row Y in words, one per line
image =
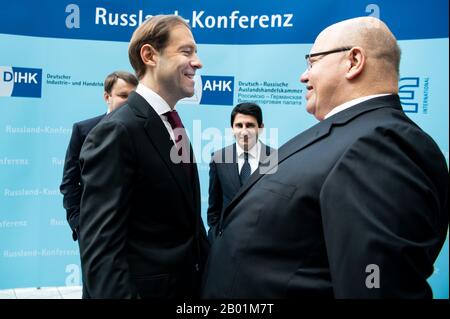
column 370, row 33
column 350, row 59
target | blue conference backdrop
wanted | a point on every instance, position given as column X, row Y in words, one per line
column 54, row 56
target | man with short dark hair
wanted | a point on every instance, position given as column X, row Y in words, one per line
column 231, row 166
column 141, row 231
column 117, row 86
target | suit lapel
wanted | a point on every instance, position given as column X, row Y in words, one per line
column 226, row 162
column 233, row 171
column 233, row 175
column 310, row 136
column 271, row 162
column 160, row 139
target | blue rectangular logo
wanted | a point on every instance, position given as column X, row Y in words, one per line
column 217, row 90
column 20, row 82
column 408, row 87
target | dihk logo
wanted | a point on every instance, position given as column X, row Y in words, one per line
column 217, row 90
column 20, row 82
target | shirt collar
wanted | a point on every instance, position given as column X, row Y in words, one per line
column 154, row 99
column 351, row 103
column 253, row 152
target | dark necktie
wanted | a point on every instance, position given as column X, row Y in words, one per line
column 176, row 124
column 182, row 142
column 245, row 170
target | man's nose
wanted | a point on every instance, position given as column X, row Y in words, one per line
column 196, row 63
column 304, row 77
column 244, row 131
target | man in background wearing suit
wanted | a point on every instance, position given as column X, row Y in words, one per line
column 141, row 232
column 117, row 87
column 358, row 206
column 231, row 166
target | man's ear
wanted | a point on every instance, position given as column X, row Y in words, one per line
column 356, row 61
column 106, row 97
column 149, row 55
column 260, row 129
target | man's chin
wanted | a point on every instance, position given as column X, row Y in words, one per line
column 310, row 109
column 189, row 93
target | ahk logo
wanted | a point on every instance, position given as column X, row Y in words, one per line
column 20, row 82
column 217, row 90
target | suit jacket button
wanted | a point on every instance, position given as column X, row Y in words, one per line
column 220, row 232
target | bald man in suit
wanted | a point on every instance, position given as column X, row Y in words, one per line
column 357, row 205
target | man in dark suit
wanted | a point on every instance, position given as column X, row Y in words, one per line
column 358, row 205
column 231, row 166
column 141, row 232
column 117, row 87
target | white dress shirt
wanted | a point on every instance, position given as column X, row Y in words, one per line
column 351, row 103
column 253, row 156
column 158, row 104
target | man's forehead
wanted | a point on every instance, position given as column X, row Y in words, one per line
column 180, row 31
column 244, row 118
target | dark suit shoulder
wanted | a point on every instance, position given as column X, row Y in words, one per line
column 134, row 112
column 116, row 128
column 221, row 155
column 86, row 125
column 116, row 118
column 386, row 119
column 91, row 122
column 389, row 128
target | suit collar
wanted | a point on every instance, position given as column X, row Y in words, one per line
column 254, row 151
column 392, row 101
column 353, row 102
column 158, row 104
column 139, row 105
column 323, row 128
column 228, row 158
column 312, row 135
